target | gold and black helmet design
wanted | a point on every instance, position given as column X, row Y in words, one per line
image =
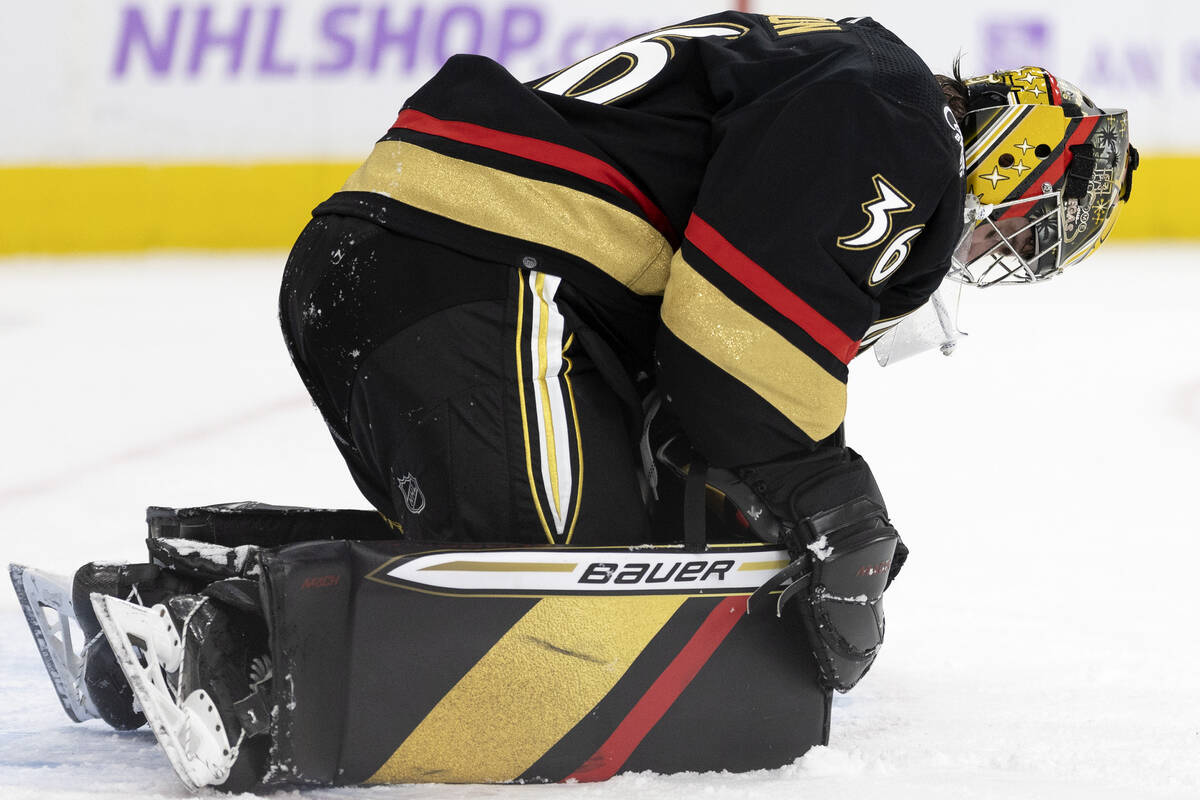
column 1047, row 171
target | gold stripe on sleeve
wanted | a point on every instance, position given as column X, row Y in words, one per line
column 751, row 352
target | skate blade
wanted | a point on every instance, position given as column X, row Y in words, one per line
column 45, row 599
column 189, row 729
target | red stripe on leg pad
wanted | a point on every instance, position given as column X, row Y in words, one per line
column 665, row 690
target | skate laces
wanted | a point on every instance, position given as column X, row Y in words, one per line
column 184, row 627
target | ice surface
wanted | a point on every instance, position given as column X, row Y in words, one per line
column 1042, row 641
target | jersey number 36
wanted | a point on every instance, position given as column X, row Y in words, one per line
column 623, row 69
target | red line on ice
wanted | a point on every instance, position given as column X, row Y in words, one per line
column 150, row 450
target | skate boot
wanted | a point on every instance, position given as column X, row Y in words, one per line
column 101, row 676
column 76, row 656
column 199, row 670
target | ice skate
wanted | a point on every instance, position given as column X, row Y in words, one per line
column 45, row 599
column 78, row 659
column 190, row 670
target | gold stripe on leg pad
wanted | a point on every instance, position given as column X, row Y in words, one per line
column 535, row 684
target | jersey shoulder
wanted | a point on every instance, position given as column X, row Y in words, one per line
column 898, row 73
column 782, row 54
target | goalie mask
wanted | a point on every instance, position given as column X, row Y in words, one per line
column 1046, row 173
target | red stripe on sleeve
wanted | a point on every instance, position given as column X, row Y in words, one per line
column 769, row 289
column 646, row 713
column 541, row 151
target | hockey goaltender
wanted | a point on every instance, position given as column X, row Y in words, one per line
column 583, row 344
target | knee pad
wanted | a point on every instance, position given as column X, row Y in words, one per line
column 838, row 498
column 852, row 555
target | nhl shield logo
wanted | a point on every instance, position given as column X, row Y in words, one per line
column 414, row 498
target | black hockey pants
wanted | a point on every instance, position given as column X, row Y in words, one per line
column 458, row 391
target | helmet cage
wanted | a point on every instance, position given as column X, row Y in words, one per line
column 1003, row 262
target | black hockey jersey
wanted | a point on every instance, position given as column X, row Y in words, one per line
column 759, row 189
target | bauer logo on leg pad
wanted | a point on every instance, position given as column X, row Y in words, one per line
column 536, row 572
column 658, row 572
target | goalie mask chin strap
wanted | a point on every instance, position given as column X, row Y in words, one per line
column 1079, row 173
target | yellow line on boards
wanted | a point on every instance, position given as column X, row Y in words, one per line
column 111, row 208
column 124, row 207
column 1164, row 203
